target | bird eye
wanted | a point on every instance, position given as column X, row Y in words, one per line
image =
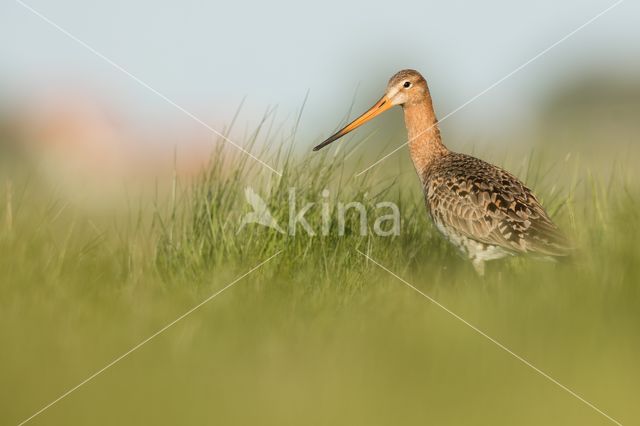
column 407, row 84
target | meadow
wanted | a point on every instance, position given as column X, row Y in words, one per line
column 319, row 334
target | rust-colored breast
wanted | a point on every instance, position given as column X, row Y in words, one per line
column 480, row 201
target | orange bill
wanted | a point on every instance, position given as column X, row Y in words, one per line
column 381, row 106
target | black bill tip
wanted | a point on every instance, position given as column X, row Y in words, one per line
column 327, row 142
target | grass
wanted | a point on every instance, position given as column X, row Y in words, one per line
column 318, row 335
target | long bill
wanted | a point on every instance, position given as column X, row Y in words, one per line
column 381, row 106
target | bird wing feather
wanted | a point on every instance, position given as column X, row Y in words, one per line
column 487, row 204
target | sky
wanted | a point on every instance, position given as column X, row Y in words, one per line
column 207, row 56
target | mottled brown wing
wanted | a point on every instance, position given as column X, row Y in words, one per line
column 485, row 203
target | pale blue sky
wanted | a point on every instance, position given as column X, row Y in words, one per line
column 208, row 55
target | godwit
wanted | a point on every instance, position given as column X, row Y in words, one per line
column 486, row 212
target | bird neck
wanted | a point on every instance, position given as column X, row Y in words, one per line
column 425, row 144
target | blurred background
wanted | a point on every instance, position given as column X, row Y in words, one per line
column 69, row 110
column 319, row 335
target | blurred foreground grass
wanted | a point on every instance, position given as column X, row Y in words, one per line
column 318, row 335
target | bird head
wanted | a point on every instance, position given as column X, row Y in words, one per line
column 404, row 88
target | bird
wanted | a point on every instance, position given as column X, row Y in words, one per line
column 483, row 210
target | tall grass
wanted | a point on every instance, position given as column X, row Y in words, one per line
column 319, row 335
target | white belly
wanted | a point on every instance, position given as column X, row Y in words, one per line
column 471, row 248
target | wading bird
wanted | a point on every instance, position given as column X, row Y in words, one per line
column 486, row 212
